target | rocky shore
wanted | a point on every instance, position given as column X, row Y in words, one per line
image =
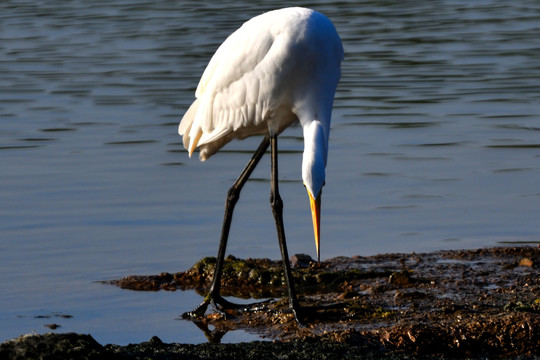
column 453, row 304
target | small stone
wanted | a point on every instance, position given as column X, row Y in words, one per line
column 301, row 261
column 410, row 295
column 348, row 295
column 401, row 278
column 526, row 262
column 155, row 341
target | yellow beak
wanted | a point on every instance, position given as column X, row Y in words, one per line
column 315, row 204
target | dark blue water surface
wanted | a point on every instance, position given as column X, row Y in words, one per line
column 435, row 144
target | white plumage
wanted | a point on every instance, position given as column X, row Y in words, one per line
column 279, row 67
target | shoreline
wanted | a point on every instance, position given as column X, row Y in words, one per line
column 467, row 303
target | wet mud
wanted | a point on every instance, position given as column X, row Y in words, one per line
column 470, row 303
column 484, row 301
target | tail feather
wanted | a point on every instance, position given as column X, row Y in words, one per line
column 185, row 127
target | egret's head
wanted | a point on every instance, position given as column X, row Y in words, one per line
column 313, row 172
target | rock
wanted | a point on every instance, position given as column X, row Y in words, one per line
column 401, row 278
column 84, row 347
column 53, row 346
column 300, row 261
column 526, row 262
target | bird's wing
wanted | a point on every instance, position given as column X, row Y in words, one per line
column 234, row 90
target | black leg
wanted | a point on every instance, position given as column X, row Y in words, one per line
column 277, row 210
column 233, row 195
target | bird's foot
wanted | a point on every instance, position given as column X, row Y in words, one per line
column 300, row 316
column 223, row 306
column 198, row 311
column 303, row 315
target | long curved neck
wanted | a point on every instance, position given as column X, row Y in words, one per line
column 315, row 155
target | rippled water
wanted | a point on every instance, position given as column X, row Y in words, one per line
column 434, row 145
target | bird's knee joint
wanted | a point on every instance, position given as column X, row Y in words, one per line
column 233, row 195
column 276, row 202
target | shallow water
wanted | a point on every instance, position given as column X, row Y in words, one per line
column 434, row 145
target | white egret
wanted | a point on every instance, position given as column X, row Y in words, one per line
column 278, row 68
